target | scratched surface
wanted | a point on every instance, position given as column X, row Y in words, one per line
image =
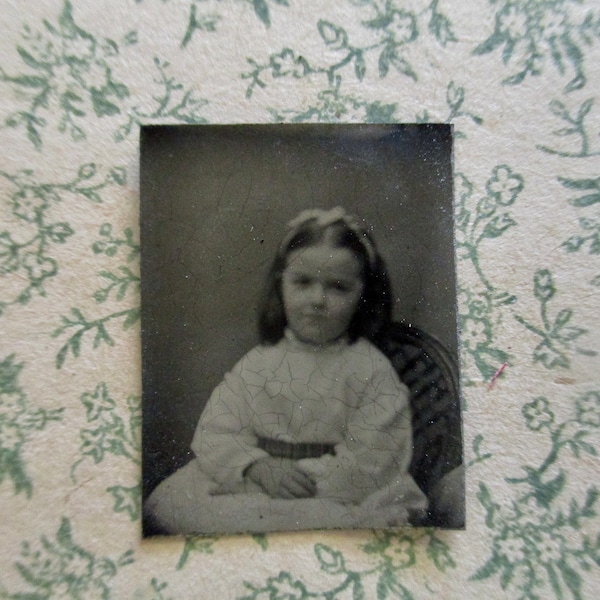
column 215, row 206
column 518, row 81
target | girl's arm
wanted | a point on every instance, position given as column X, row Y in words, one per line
column 224, row 442
column 377, row 447
column 227, row 448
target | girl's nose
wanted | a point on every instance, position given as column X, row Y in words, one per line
column 317, row 295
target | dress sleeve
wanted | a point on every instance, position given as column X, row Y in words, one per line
column 377, row 447
column 224, row 442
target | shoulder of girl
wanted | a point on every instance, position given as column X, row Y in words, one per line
column 257, row 358
column 370, row 349
column 370, row 356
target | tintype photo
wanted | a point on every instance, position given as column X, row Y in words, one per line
column 299, row 338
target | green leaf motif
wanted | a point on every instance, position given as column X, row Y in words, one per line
column 332, row 35
column 171, row 101
column 533, row 36
column 59, row 232
column 489, row 45
column 439, row 553
column 498, row 225
column 110, row 433
column 358, row 590
column 77, row 325
column 485, row 498
column 29, row 60
column 556, row 339
column 455, row 96
column 549, row 356
column 580, row 133
column 333, row 106
column 479, row 457
column 389, row 586
column 589, row 237
column 207, row 22
column 203, row 545
column 61, row 568
column 587, row 200
column 546, row 493
column 394, row 28
column 97, row 402
column 390, row 57
column 71, row 81
column 118, row 175
column 385, row 60
column 489, row 569
column 18, row 423
column 127, row 499
column 544, row 288
column 102, row 106
column 27, row 264
column 529, row 551
column 261, row 8
column 403, row 66
column 574, row 243
column 197, row 22
column 481, row 220
column 441, row 27
column 389, row 553
column 562, row 318
column 331, row 561
column 360, row 66
column 261, row 539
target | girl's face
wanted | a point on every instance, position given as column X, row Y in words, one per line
column 321, row 288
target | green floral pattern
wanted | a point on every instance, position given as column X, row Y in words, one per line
column 68, row 78
column 332, row 106
column 576, row 130
column 540, row 548
column 392, row 554
column 172, row 102
column 77, row 326
column 394, row 30
column 557, row 335
column 60, row 568
column 532, row 35
column 108, row 433
column 518, row 81
column 26, row 249
column 202, row 19
column 18, row 423
column 478, row 220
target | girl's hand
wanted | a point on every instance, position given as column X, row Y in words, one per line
column 281, row 478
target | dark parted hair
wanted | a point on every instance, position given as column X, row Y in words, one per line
column 373, row 315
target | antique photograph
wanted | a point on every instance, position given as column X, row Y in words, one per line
column 299, row 329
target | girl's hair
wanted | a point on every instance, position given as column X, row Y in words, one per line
column 341, row 231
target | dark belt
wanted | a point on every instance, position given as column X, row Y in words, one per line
column 295, row 451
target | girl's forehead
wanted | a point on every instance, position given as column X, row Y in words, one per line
column 326, row 259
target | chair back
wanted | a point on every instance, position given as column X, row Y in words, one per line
column 430, row 372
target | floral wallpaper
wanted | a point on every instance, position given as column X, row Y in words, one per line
column 519, row 82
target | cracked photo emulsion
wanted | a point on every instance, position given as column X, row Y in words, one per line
column 299, row 337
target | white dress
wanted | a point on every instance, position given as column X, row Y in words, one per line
column 345, row 396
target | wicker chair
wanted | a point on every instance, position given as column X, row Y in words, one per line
column 431, row 374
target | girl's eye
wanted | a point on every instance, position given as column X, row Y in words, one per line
column 302, row 281
column 338, row 286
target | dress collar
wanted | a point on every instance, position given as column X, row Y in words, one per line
column 293, row 340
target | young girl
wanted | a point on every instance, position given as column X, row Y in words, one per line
column 311, row 428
